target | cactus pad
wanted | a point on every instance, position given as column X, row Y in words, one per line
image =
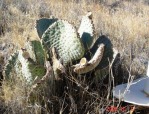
column 29, row 67
column 36, row 52
column 63, row 36
column 10, row 65
column 86, row 30
column 43, row 24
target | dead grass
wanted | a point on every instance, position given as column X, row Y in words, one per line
column 126, row 23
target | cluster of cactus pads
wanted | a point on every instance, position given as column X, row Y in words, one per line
column 68, row 44
column 27, row 62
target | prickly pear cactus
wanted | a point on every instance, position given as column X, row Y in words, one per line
column 63, row 36
column 28, row 63
column 71, row 47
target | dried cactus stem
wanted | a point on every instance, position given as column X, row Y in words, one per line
column 81, row 69
column 57, row 66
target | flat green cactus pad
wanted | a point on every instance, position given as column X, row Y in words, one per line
column 10, row 65
column 37, row 71
column 36, row 60
column 86, row 30
column 36, row 52
column 29, row 67
column 43, row 24
column 63, row 36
